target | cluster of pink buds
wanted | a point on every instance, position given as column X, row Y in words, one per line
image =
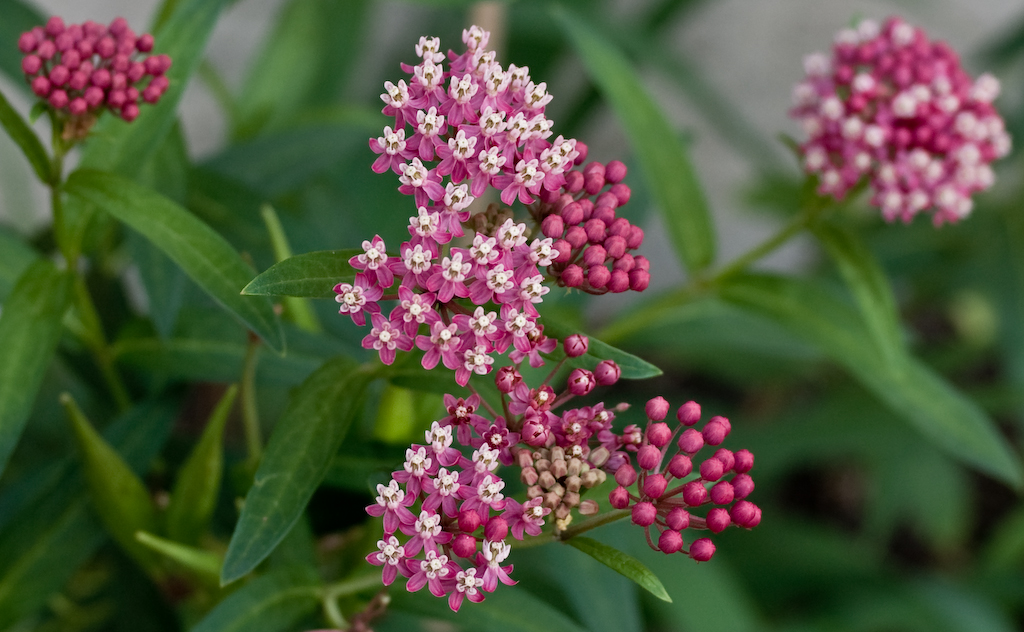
column 82, row 68
column 899, row 110
column 670, row 510
column 487, row 129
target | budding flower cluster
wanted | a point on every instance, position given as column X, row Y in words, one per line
column 558, row 480
column 669, row 510
column 897, row 109
column 83, row 68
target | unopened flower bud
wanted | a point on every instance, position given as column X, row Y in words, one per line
column 639, row 280
column 619, row 497
column 598, row 276
column 678, row 519
column 648, row 457
column 576, row 236
column 570, row 499
column 534, row 491
column 575, row 345
column 680, row 466
column 464, row 545
column 574, row 180
column 552, row 500
column 469, row 521
column 572, row 213
column 722, row 493
column 644, row 514
column 593, row 478
column 694, row 493
column 599, row 456
column 746, row 514
column 625, row 475
column 655, row 485
column 529, row 476
column 615, row 246
column 690, row 441
column 702, row 550
column 623, row 193
column 553, row 226
column 496, row 529
column 574, row 483
column 718, row 519
column 581, row 382
column 594, row 255
column 715, row 432
column 589, row 507
column 657, row 409
column 574, row 467
column 507, row 378
column 618, row 282
column 727, row 458
column 744, row 461
column 742, row 485
column 559, row 468
column 572, row 276
column 596, row 230
column 607, row 372
column 670, row 541
column 542, row 464
column 689, row 413
column 711, row 469
column 564, row 251
column 546, row 480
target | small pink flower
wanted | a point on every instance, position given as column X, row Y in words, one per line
column 385, row 338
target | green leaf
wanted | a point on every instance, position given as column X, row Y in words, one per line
column 663, row 158
column 312, row 275
column 298, row 309
column 18, row 17
column 870, row 288
column 923, row 398
column 633, row 367
column 298, row 455
column 118, row 495
column 125, row 148
column 195, row 492
column 204, row 255
column 272, row 603
column 625, row 565
column 15, row 257
column 29, row 332
column 43, row 546
column 203, row 564
column 26, row 139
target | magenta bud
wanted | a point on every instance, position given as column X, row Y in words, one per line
column 644, row 514
column 151, row 94
column 619, row 282
column 604, row 213
column 535, row 433
column 655, row 485
column 576, row 236
column 78, row 106
column 616, row 246
column 694, row 493
column 41, row 87
column 607, row 372
column 507, row 378
column 718, row 519
column 27, row 42
column 702, row 550
column 742, row 485
column 101, row 78
column 118, row 26
column 564, row 251
column 145, row 43
column 619, row 497
column 678, row 519
column 469, row 521
column 619, row 227
column 656, row 410
column 136, row 71
column 581, row 382
column 496, row 529
column 715, row 432
column 711, row 469
column 594, row 256
column 593, row 182
column 746, row 514
column 625, row 475
column 575, row 345
column 622, row 192
column 85, row 49
column 116, row 99
column 641, row 263
column 130, row 112
column 648, row 457
column 573, row 180
column 572, row 276
column 581, row 150
column 587, row 206
column 132, row 94
column 614, row 171
column 595, row 230
column 106, row 47
column 59, row 75
column 118, row 81
column 680, row 466
column 722, row 493
column 659, row 434
column 31, row 64
column 639, row 280
column 572, row 213
column 726, row 457
column 64, row 41
column 46, row 49
column 722, row 420
column 93, row 96
column 689, row 413
column 670, row 541
column 690, row 441
column 54, row 26
column 464, row 545
column 71, row 59
column 553, row 226
column 598, row 276
column 59, row 99
column 635, row 238
column 744, row 461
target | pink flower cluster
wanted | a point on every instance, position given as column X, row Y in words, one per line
column 899, row 110
column 669, row 510
column 82, row 68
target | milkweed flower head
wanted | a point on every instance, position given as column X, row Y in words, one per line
column 78, row 70
column 898, row 110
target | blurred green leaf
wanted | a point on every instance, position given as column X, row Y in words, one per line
column 922, row 397
column 202, row 253
column 18, row 17
column 203, row 564
column 1004, row 550
column 633, row 368
column 298, row 455
column 662, row 157
column 310, row 275
column 125, row 148
column 298, row 309
column 29, row 331
column 25, row 138
column 626, row 565
column 15, row 257
column 396, row 414
column 56, row 532
column 195, row 492
column 274, row 602
column 957, row 609
column 118, row 495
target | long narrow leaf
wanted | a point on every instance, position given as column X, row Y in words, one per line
column 15, row 257
column 204, row 255
column 626, row 565
column 272, row 603
column 310, row 275
column 25, row 138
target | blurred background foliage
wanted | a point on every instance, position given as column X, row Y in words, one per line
column 882, row 508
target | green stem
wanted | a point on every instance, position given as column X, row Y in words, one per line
column 790, row 230
column 250, row 413
column 96, row 340
column 593, row 523
column 330, row 594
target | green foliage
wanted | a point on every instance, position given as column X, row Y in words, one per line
column 26, row 139
column 311, row 275
column 623, row 564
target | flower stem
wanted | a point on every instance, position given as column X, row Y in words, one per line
column 593, row 523
column 330, row 594
column 250, row 412
column 790, row 230
column 96, row 340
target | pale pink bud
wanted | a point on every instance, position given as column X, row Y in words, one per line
column 575, row 345
column 625, row 475
column 644, row 514
column 614, row 171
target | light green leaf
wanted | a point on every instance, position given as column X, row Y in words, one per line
column 311, row 275
column 15, row 257
column 203, row 564
column 663, row 158
column 623, row 564
column 118, row 495
column 298, row 455
column 922, row 397
column 29, row 331
column 26, row 139
column 204, row 255
column 633, row 367
column 195, row 492
column 272, row 603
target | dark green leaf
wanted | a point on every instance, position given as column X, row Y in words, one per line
column 15, row 257
column 25, row 138
column 633, row 368
column 311, row 275
column 298, row 455
column 18, row 17
column 195, row 491
column 125, row 147
column 272, row 603
column 29, row 331
column 203, row 254
column 626, row 565
column 203, row 564
column 917, row 393
column 662, row 157
column 118, row 495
